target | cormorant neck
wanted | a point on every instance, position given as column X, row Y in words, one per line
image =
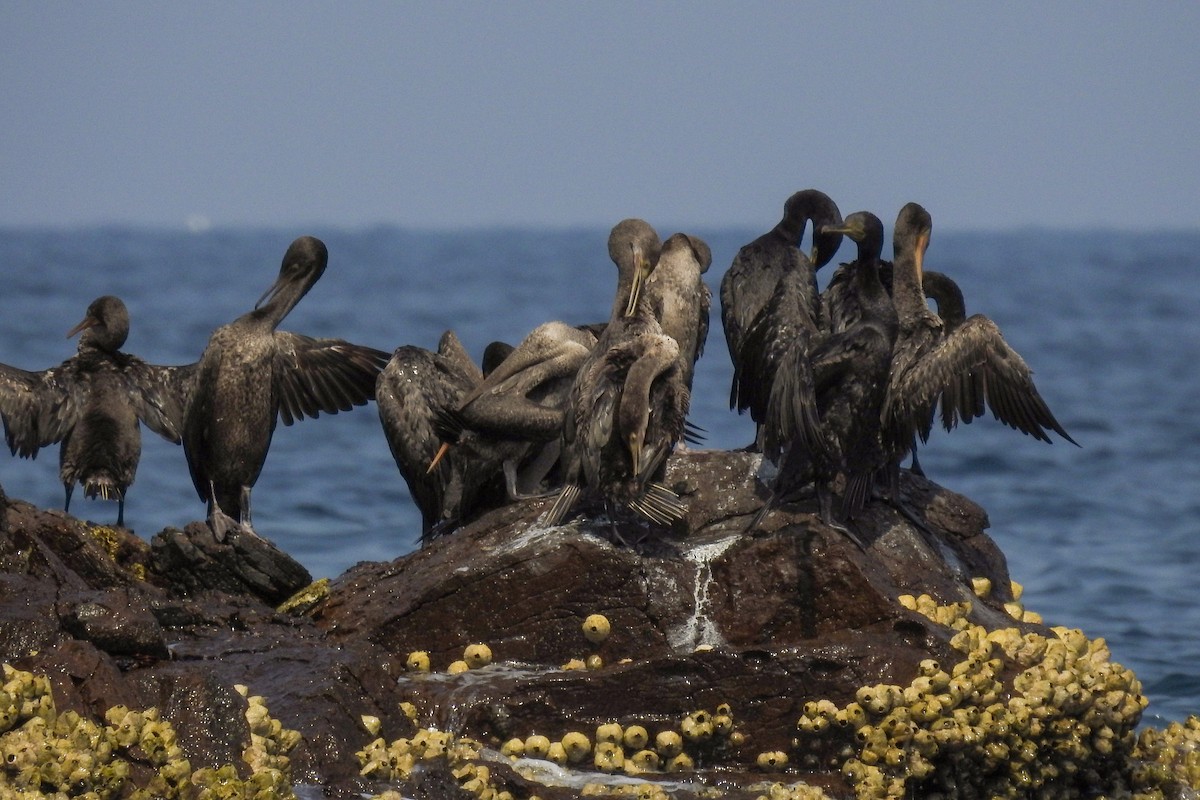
column 280, row 299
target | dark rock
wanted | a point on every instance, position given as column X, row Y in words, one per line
column 701, row 615
column 242, row 564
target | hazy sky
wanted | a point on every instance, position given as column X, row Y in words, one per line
column 449, row 115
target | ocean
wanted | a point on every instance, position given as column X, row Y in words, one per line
column 1104, row 537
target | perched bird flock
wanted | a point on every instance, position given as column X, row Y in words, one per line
column 840, row 384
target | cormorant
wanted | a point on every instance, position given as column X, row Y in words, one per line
column 961, row 369
column 92, row 402
column 679, row 298
column 411, row 392
column 251, row 374
column 628, row 403
column 850, row 370
column 752, row 283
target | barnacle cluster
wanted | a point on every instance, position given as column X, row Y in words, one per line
column 45, row 753
column 1022, row 714
column 1168, row 758
column 793, row 791
column 397, row 760
column 307, row 598
column 700, row 736
column 110, row 540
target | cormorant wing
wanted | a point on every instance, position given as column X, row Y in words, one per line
column 329, row 375
column 595, row 415
column 551, row 350
column 774, row 378
column 39, row 408
column 451, row 348
column 413, row 389
column 972, row 366
column 160, row 395
column 703, row 322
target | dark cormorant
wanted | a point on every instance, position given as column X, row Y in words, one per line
column 251, row 374
column 850, row 371
column 93, row 402
column 679, row 298
column 522, row 397
column 753, row 282
column 411, row 392
column 962, row 368
column 628, row 403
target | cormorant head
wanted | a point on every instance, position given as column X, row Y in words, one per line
column 105, row 325
column 913, row 227
column 303, row 264
column 815, row 206
column 700, row 250
column 634, row 247
column 865, row 229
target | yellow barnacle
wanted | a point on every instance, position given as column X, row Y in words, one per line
column 1017, row 590
column 418, row 661
column 636, row 737
column 457, row 667
column 981, row 586
column 574, row 663
column 696, row 726
column 557, row 753
column 722, row 724
column 646, row 760
column 668, row 743
column 594, row 662
column 610, row 733
column 608, row 757
column 371, row 723
column 576, row 746
column 771, row 760
column 681, row 763
column 513, row 748
column 477, row 655
column 537, row 746
column 596, row 628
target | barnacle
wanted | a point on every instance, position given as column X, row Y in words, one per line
column 477, row 655
column 596, row 628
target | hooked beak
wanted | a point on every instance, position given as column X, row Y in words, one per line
column 270, row 293
column 445, row 448
column 87, row 322
column 919, row 256
column 640, row 273
column 635, row 453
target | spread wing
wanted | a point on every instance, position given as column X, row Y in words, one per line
column 329, row 375
column 972, row 367
column 39, row 408
column 160, row 395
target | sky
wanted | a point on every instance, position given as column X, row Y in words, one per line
column 454, row 115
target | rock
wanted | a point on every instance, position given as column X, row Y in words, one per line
column 242, row 564
column 702, row 618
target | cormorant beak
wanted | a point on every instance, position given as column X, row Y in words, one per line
column 270, row 293
column 640, row 273
column 855, row 232
column 919, row 256
column 87, row 322
column 635, row 453
column 445, row 448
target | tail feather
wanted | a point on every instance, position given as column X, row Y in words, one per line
column 567, row 496
column 659, row 504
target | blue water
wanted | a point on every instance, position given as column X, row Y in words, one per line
column 1104, row 538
